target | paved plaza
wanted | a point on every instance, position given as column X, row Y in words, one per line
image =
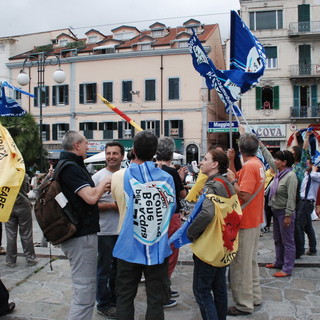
column 44, row 294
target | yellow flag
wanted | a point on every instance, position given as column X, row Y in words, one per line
column 12, row 172
column 196, row 190
column 218, row 244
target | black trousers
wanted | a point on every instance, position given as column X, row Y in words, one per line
column 4, row 299
column 128, row 279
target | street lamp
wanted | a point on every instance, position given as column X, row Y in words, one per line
column 23, row 79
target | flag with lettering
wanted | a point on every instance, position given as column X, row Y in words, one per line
column 247, row 58
column 150, row 200
column 12, row 173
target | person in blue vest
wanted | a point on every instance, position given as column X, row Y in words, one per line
column 142, row 245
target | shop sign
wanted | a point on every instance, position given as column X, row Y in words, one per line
column 270, row 130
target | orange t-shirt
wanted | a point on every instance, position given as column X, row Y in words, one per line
column 250, row 177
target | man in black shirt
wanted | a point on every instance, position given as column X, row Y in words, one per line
column 81, row 249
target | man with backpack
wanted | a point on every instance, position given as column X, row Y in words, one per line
column 82, row 248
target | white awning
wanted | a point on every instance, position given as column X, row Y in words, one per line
column 104, row 47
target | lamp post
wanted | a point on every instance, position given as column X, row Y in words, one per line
column 23, row 79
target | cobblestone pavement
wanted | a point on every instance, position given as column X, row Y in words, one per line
column 44, row 294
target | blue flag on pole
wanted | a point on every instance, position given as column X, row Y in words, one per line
column 247, row 64
column 8, row 106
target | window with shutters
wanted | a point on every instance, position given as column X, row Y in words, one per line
column 45, row 132
column 58, row 130
column 108, row 91
column 267, row 98
column 125, row 130
column 108, row 129
column 152, row 125
column 41, row 94
column 60, row 95
column 88, row 93
column 174, row 88
column 88, row 128
column 272, row 57
column 150, row 90
column 126, row 91
column 261, row 20
column 173, row 128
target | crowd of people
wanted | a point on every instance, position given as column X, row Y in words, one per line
column 126, row 217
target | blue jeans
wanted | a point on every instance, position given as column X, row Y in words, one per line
column 207, row 278
column 106, row 272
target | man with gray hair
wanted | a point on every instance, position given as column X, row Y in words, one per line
column 82, row 248
column 248, row 183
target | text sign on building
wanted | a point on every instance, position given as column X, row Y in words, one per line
column 270, row 130
column 222, row 126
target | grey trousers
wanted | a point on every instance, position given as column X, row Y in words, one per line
column 82, row 254
column 21, row 217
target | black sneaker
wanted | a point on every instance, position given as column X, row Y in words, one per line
column 170, row 304
column 174, row 294
column 110, row 313
column 309, row 253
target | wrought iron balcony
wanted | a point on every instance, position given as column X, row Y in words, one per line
column 304, row 70
column 303, row 28
column 298, row 112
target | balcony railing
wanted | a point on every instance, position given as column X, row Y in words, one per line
column 300, row 28
column 305, row 70
column 305, row 112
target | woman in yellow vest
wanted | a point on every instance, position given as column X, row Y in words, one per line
column 209, row 276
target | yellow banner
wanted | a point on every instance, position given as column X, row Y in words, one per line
column 12, row 172
column 218, row 244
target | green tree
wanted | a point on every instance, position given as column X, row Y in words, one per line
column 25, row 133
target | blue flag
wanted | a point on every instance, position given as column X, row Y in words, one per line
column 247, row 64
column 179, row 238
column 8, row 106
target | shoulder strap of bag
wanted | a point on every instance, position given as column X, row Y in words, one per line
column 225, row 185
column 252, row 197
column 61, row 164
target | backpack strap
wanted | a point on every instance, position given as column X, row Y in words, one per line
column 61, row 165
column 225, row 185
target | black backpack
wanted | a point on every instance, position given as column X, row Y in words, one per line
column 57, row 224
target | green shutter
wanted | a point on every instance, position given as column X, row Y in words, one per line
column 143, row 125
column 166, row 128
column 94, row 92
column 66, row 94
column 180, row 128
column 157, row 131
column 81, row 93
column 304, row 12
column 296, row 96
column 54, row 132
column 314, row 96
column 258, row 98
column 35, row 92
column 46, row 95
column 54, row 91
column 276, row 97
column 120, row 133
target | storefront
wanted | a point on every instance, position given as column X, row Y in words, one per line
column 274, row 136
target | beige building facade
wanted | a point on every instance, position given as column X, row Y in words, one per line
column 288, row 96
column 146, row 74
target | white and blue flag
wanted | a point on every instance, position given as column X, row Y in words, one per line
column 8, row 106
column 247, row 63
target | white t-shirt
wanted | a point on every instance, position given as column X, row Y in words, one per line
column 108, row 219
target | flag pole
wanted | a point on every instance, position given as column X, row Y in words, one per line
column 230, row 128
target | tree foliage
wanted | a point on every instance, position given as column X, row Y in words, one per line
column 25, row 133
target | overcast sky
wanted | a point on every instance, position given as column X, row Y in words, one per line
column 29, row 16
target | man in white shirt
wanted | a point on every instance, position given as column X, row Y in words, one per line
column 308, row 195
column 108, row 235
